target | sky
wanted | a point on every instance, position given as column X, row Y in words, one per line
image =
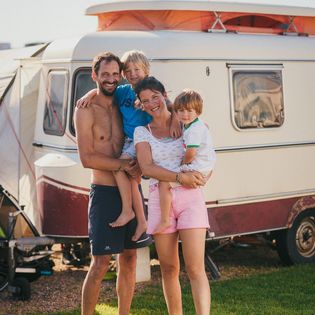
column 26, row 21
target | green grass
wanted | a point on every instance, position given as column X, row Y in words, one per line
column 284, row 292
column 287, row 291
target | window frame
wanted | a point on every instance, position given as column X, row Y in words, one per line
column 72, row 107
column 232, row 68
column 58, row 132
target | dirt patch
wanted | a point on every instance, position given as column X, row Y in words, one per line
column 62, row 290
column 244, row 258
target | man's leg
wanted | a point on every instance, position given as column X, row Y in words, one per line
column 126, row 280
column 92, row 283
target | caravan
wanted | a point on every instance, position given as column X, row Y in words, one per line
column 253, row 65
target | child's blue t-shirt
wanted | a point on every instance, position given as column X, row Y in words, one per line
column 132, row 117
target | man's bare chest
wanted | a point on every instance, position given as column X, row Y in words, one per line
column 107, row 129
column 104, row 120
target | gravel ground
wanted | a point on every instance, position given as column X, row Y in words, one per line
column 62, row 290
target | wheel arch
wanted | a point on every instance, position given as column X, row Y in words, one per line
column 302, row 204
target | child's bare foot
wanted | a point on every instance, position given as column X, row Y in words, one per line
column 141, row 228
column 123, row 219
column 163, row 225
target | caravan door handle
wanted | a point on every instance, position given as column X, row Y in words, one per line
column 37, row 144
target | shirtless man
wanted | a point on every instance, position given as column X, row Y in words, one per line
column 100, row 139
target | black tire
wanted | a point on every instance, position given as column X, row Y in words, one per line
column 297, row 244
column 22, row 289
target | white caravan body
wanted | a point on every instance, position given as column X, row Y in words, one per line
column 258, row 92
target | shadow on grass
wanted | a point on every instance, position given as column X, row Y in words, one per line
column 151, row 302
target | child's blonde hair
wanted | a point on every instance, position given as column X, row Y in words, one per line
column 188, row 99
column 136, row 57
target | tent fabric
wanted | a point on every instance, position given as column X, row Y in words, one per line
column 18, row 101
column 4, row 82
column 9, row 146
column 202, row 21
column 10, row 61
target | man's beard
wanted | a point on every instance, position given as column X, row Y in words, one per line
column 105, row 92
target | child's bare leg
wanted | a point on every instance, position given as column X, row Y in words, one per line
column 165, row 205
column 124, row 186
column 138, row 209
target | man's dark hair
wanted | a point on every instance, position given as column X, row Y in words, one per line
column 149, row 83
column 107, row 57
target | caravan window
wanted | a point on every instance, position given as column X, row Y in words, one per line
column 257, row 97
column 56, row 102
column 82, row 84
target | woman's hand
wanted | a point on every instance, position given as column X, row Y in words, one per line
column 86, row 99
column 192, row 179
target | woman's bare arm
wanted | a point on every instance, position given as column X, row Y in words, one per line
column 148, row 168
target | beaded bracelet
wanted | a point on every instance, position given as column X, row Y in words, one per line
column 179, row 178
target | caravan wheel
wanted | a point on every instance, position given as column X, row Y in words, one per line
column 297, row 244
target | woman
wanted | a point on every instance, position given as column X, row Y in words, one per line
column 159, row 157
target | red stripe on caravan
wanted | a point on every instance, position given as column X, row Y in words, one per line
column 63, row 212
column 62, row 183
column 250, row 217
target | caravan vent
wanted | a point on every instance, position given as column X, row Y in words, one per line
column 256, row 21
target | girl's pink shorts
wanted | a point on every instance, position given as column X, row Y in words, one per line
column 188, row 210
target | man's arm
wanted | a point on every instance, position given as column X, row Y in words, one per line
column 90, row 158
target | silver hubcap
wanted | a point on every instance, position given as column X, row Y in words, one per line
column 305, row 237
